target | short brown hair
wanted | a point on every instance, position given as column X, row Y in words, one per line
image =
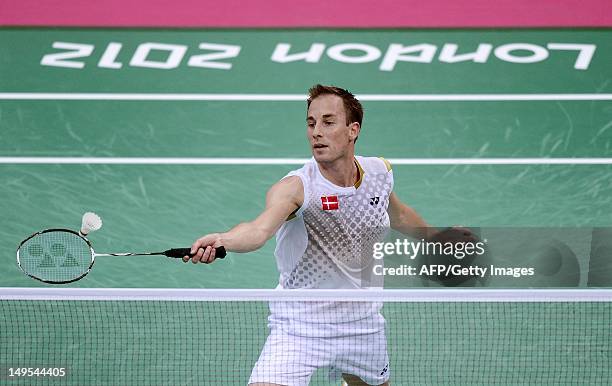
column 352, row 107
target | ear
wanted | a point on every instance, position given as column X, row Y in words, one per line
column 354, row 130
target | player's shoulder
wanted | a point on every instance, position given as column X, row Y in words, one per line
column 378, row 165
column 289, row 183
column 289, row 188
column 306, row 173
column 296, row 179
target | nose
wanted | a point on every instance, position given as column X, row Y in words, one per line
column 316, row 131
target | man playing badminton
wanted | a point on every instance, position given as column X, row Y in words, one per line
column 324, row 215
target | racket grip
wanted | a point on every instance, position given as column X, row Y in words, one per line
column 180, row 252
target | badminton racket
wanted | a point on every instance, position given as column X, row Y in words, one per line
column 59, row 256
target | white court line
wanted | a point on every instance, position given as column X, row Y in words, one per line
column 299, row 97
column 385, row 295
column 295, row 161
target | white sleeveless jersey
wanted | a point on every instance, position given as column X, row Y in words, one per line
column 328, row 244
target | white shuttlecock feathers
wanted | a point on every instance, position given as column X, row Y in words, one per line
column 91, row 222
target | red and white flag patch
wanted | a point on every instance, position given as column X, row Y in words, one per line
column 329, row 202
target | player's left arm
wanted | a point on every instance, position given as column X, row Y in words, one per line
column 406, row 220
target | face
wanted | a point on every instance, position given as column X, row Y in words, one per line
column 329, row 136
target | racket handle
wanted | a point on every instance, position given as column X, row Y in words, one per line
column 180, row 252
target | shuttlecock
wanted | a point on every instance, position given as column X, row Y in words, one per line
column 91, row 222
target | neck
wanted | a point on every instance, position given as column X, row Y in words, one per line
column 341, row 172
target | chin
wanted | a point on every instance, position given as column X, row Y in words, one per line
column 323, row 158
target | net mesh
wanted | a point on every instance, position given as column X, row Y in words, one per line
column 55, row 256
column 214, row 340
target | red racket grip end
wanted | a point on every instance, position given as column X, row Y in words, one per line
column 220, row 252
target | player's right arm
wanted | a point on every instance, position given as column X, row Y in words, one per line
column 283, row 199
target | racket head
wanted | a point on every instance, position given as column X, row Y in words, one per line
column 55, row 256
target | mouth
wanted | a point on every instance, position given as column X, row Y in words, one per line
column 319, row 146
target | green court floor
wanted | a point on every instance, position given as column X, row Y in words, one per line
column 148, row 207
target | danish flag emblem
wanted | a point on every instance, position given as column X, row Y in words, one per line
column 329, row 202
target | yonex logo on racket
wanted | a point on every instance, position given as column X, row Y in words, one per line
column 329, row 202
column 56, row 256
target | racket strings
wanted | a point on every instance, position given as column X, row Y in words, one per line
column 55, row 256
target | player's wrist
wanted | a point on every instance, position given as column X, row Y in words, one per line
column 220, row 240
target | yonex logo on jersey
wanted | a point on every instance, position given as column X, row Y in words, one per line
column 385, row 369
column 374, row 200
column 329, row 202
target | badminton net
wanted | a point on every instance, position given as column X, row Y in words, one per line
column 214, row 337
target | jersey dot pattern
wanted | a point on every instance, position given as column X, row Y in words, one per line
column 328, row 248
column 338, row 251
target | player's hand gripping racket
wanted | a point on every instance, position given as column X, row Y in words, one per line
column 60, row 256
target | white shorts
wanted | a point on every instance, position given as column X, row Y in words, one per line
column 291, row 360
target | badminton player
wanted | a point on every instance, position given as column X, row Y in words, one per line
column 323, row 215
